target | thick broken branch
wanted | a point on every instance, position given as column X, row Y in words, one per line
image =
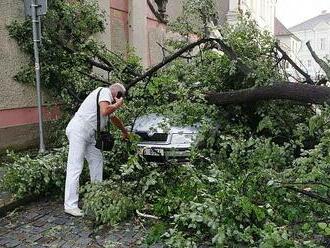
column 88, row 60
column 94, row 77
column 310, row 194
column 325, row 67
column 304, row 93
column 164, row 49
column 158, row 15
column 165, row 61
column 225, row 48
column 99, row 65
column 294, row 65
column 233, row 56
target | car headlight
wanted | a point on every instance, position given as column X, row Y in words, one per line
column 185, row 138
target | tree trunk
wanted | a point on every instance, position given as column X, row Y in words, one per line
column 304, row 93
column 325, row 67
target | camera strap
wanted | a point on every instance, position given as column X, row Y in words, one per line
column 98, row 125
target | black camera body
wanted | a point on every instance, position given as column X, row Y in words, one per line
column 119, row 95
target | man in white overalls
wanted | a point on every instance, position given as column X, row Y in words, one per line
column 81, row 134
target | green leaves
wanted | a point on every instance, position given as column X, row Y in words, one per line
column 68, row 26
column 106, row 204
column 40, row 175
column 232, row 192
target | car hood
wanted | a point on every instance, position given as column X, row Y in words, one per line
column 159, row 124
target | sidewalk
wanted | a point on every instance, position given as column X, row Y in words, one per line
column 44, row 224
column 5, row 198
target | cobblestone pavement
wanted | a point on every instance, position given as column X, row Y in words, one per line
column 44, row 224
column 5, row 197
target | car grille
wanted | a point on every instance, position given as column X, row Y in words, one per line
column 155, row 137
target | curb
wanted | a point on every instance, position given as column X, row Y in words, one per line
column 13, row 204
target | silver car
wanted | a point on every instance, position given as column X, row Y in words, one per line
column 159, row 139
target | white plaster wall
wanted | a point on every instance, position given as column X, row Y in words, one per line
column 263, row 11
column 314, row 36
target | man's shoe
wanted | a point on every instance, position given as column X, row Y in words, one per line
column 74, row 212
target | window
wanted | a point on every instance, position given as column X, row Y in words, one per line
column 309, row 63
column 287, row 65
column 323, row 43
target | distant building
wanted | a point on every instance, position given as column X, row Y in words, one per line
column 262, row 11
column 317, row 31
column 289, row 42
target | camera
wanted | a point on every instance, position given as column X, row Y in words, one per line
column 119, row 95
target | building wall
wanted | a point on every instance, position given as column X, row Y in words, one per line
column 263, row 12
column 222, row 7
column 319, row 38
column 134, row 25
column 18, row 111
column 119, row 26
column 291, row 45
column 12, row 93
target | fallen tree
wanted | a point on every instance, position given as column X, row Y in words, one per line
column 260, row 177
column 304, row 93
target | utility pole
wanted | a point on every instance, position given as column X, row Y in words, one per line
column 36, row 8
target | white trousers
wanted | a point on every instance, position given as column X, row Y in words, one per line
column 81, row 145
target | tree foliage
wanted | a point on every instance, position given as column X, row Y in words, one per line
column 259, row 173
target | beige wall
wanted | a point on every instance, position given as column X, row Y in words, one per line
column 118, row 30
column 137, row 28
column 104, row 37
column 158, row 33
column 12, row 93
column 222, row 7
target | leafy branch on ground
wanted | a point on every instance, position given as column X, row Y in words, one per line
column 237, row 189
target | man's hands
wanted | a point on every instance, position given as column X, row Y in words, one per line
column 125, row 135
column 118, row 123
column 119, row 102
column 107, row 109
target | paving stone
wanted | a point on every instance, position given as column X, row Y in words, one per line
column 83, row 241
column 20, row 235
column 22, row 246
column 48, row 226
column 85, row 234
column 4, row 240
column 12, row 243
column 69, row 244
column 51, row 219
column 61, row 221
column 39, row 223
column 127, row 237
column 31, row 215
column 57, row 243
column 3, row 231
column 113, row 237
column 37, row 229
column 34, row 238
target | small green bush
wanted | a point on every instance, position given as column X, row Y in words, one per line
column 107, row 205
column 40, row 175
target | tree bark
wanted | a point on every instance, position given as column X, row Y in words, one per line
column 293, row 64
column 228, row 51
column 304, row 93
column 325, row 67
column 166, row 60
